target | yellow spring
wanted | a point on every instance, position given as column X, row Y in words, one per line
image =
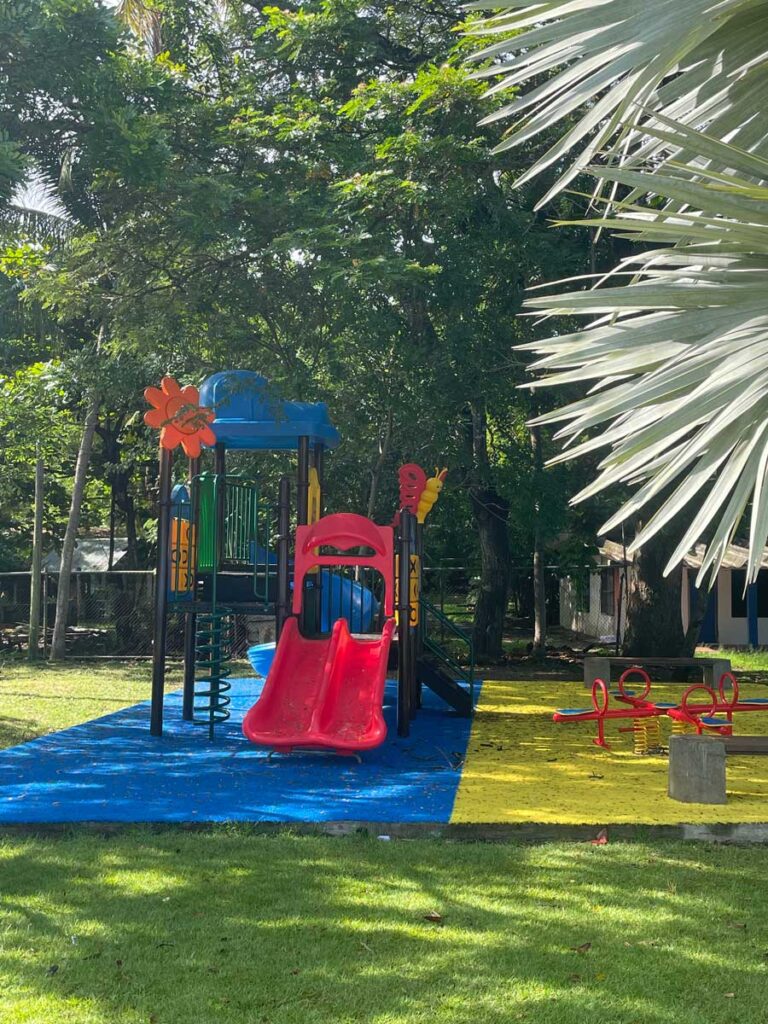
column 681, row 728
column 654, row 733
column 640, row 733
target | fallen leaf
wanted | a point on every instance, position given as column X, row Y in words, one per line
column 730, row 995
column 119, row 963
column 52, row 970
column 295, row 970
column 742, row 925
column 596, row 775
column 366, row 946
column 575, row 978
column 434, row 916
column 583, row 948
column 600, row 976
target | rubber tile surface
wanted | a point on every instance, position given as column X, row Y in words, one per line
column 111, row 769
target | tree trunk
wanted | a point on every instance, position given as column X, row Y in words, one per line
column 539, row 583
column 384, row 444
column 654, row 619
column 491, row 514
column 36, row 581
column 58, row 643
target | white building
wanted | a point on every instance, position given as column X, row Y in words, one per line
column 592, row 603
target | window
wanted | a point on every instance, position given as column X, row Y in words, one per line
column 607, row 591
column 762, row 594
column 738, row 597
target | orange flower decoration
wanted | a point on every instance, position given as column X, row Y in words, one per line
column 179, row 417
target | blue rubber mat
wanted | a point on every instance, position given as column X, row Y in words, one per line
column 111, row 769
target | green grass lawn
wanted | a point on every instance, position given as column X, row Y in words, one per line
column 741, row 660
column 37, row 698
column 234, row 928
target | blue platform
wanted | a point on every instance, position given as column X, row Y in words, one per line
column 111, row 769
column 252, row 417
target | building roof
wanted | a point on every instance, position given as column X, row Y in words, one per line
column 250, row 417
column 91, row 555
column 735, row 557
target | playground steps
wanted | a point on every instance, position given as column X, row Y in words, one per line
column 440, row 680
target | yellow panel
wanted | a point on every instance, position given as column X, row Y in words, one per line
column 523, row 767
column 182, row 544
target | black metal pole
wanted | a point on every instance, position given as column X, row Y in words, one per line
column 162, row 579
column 404, row 647
column 282, row 606
column 319, row 464
column 220, row 469
column 302, row 494
column 190, row 620
column 418, row 639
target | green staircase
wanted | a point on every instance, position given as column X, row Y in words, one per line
column 446, row 664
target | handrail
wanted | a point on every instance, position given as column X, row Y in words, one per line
column 467, row 673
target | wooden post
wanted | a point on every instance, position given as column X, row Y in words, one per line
column 162, row 579
column 37, row 563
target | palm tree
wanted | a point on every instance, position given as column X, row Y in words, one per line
column 35, row 211
column 664, row 104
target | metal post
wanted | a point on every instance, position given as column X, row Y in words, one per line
column 302, row 494
column 404, row 646
column 190, row 619
column 162, row 579
column 282, row 605
column 308, row 619
column 37, row 561
column 419, row 631
column 319, row 464
column 220, row 494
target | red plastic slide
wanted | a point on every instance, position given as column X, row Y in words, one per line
column 323, row 693
column 328, row 692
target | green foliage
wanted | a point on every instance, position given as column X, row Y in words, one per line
column 301, row 192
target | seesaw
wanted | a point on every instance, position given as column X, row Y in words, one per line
column 645, row 714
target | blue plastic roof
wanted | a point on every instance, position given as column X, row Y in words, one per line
column 249, row 418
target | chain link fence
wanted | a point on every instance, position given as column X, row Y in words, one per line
column 110, row 613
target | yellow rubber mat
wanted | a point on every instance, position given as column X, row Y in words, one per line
column 523, row 767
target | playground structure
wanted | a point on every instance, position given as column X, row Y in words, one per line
column 686, row 715
column 225, row 548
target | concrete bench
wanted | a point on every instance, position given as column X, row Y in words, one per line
column 697, row 765
column 600, row 667
column 697, row 769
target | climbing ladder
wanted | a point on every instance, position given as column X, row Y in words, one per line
column 446, row 663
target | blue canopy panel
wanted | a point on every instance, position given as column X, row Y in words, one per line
column 250, row 417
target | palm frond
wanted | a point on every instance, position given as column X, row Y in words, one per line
column 35, row 209
column 144, row 21
column 621, row 69
column 676, row 355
